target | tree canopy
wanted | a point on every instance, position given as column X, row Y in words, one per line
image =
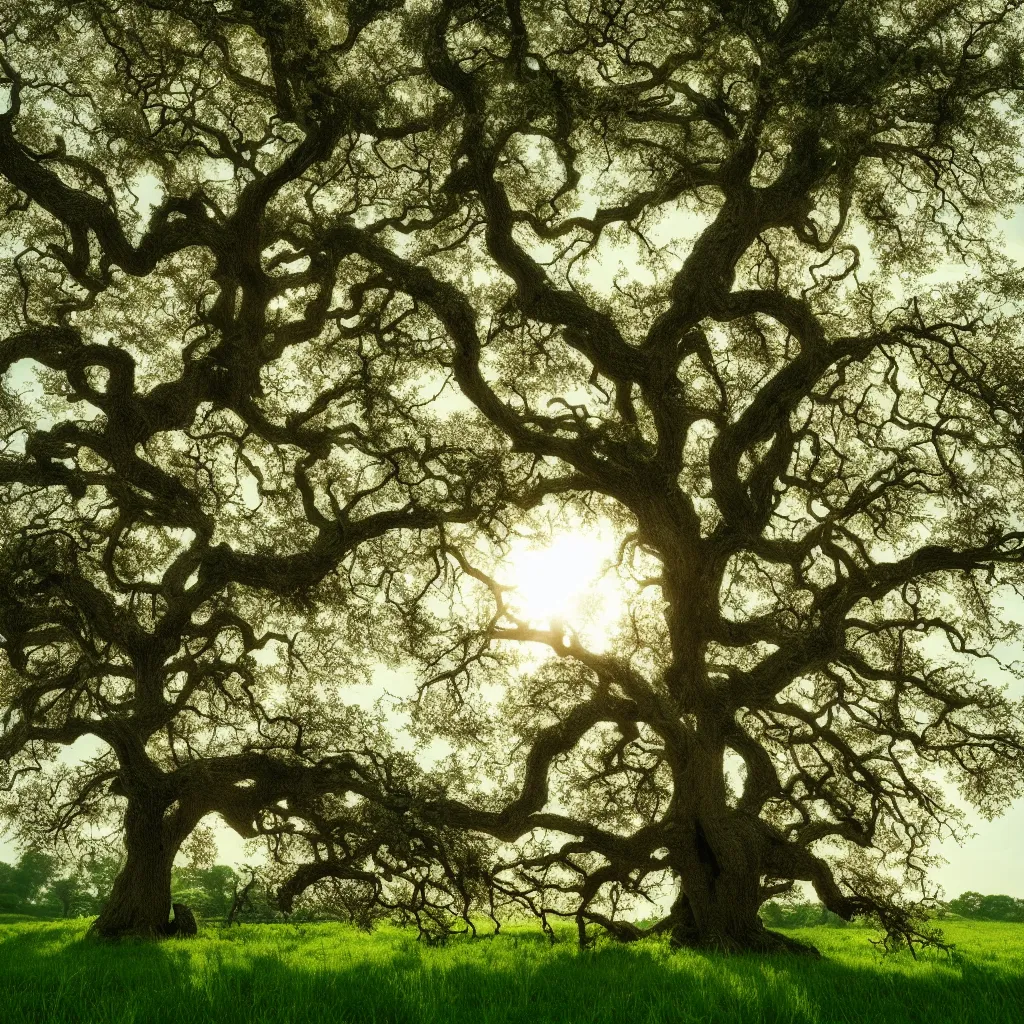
column 310, row 308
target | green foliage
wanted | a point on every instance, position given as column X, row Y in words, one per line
column 208, row 891
column 987, row 908
column 280, row 974
column 39, row 886
column 24, row 886
column 70, row 894
column 776, row 914
column 21, row 884
column 211, row 891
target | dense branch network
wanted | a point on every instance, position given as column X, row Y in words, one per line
column 340, row 293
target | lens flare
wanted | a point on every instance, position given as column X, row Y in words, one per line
column 566, row 581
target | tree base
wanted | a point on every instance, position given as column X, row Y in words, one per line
column 761, row 942
column 758, row 940
column 182, row 925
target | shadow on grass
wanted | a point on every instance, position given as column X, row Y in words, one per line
column 47, row 974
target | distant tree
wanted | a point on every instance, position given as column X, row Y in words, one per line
column 799, row 915
column 44, row 883
column 967, row 904
column 1002, row 908
column 988, row 908
column 70, row 894
column 208, row 891
column 22, row 885
column 253, row 248
column 99, row 872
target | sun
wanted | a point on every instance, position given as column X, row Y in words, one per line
column 567, row 580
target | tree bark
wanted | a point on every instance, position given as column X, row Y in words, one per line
column 184, row 924
column 719, row 854
column 720, row 894
column 140, row 900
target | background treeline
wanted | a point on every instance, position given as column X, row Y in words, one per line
column 987, row 908
column 972, row 905
column 39, row 885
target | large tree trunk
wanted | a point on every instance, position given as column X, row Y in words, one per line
column 719, row 854
column 717, row 905
column 728, row 926
column 140, row 900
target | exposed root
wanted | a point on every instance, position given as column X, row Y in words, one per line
column 183, row 924
column 686, row 935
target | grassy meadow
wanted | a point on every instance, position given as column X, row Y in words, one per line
column 292, row 974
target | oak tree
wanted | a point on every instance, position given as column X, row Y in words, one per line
column 355, row 285
column 207, row 441
column 731, row 273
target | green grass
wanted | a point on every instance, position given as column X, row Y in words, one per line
column 49, row 974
